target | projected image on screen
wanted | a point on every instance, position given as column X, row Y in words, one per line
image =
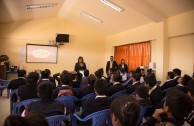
column 41, row 53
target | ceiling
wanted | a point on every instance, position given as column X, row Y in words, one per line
column 136, row 12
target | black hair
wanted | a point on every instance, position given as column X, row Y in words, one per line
column 47, row 71
column 101, row 86
column 44, row 74
column 80, row 58
column 14, row 120
column 32, row 77
column 35, row 119
column 21, row 73
column 98, row 74
column 66, row 79
column 149, row 71
column 126, row 110
column 170, row 74
column 45, row 90
column 177, row 71
column 111, row 56
column 185, row 79
column 136, row 76
column 101, row 70
column 122, row 60
column 179, row 104
column 150, row 79
column 138, row 70
column 91, row 79
column 86, row 73
column 142, row 92
column 116, row 77
column 190, row 87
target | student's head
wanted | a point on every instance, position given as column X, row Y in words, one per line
column 142, row 71
column 170, row 75
column 48, row 71
column 177, row 105
column 86, row 73
column 142, row 92
column 98, row 74
column 190, row 88
column 101, row 70
column 131, row 73
column 124, row 111
column 185, row 79
column 14, row 120
column 122, row 61
column 149, row 71
column 80, row 60
column 100, row 86
column 21, row 73
column 32, row 78
column 44, row 74
column 35, row 119
column 177, row 72
column 150, row 81
column 66, row 79
column 136, row 77
column 91, row 79
column 111, row 58
column 138, row 70
column 45, row 90
column 116, row 77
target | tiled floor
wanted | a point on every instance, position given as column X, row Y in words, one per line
column 4, row 107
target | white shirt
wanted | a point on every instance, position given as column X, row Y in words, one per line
column 150, row 91
column 181, row 85
column 111, row 62
column 22, row 77
column 135, row 82
column 115, row 83
column 122, row 65
column 100, row 96
column 45, row 79
column 170, row 79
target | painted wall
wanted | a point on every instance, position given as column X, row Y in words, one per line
column 90, row 45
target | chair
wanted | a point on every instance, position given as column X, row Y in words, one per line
column 69, row 102
column 76, row 90
column 164, row 92
column 56, row 120
column 88, row 96
column 13, row 104
column 100, row 118
column 143, row 110
column 120, row 93
column 24, row 103
column 3, row 85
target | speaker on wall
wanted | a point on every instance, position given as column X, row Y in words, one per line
column 62, row 38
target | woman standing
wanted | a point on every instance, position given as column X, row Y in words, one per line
column 80, row 65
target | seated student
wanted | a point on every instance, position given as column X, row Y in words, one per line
column 116, row 85
column 98, row 74
column 100, row 102
column 170, row 81
column 136, row 83
column 176, row 107
column 85, row 79
column 177, row 73
column 46, row 106
column 149, row 71
column 57, row 76
column 65, row 89
column 182, row 83
column 142, row 95
column 125, row 111
column 190, row 88
column 29, row 91
column 154, row 91
column 45, row 77
column 129, row 82
column 51, row 79
column 77, row 81
column 16, row 83
column 89, row 88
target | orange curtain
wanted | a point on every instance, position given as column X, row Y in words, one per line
column 135, row 55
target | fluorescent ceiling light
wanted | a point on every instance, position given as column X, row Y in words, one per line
column 91, row 17
column 112, row 5
column 36, row 6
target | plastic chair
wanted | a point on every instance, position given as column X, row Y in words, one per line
column 24, row 103
column 143, row 110
column 13, row 104
column 56, row 120
column 76, row 90
column 164, row 92
column 3, row 85
column 120, row 93
column 69, row 102
column 88, row 96
column 100, row 118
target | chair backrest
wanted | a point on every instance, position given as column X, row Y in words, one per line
column 25, row 103
column 164, row 92
column 76, row 90
column 120, row 93
column 13, row 104
column 88, row 96
column 143, row 110
column 69, row 102
column 100, row 118
column 56, row 120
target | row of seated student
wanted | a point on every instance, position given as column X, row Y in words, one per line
column 155, row 92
